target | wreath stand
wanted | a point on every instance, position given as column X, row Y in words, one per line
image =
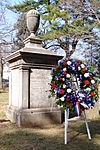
column 66, row 125
column 76, row 86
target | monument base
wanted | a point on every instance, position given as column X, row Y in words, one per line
column 94, row 112
column 38, row 117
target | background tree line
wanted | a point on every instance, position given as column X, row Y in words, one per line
column 63, row 25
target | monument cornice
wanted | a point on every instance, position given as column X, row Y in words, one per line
column 34, row 53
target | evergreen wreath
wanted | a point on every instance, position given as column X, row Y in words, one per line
column 74, row 85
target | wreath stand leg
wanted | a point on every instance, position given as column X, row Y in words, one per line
column 66, row 124
column 87, row 126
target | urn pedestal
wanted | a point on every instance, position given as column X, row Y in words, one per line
column 29, row 104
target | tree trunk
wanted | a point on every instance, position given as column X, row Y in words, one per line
column 1, row 73
column 67, row 47
column 74, row 43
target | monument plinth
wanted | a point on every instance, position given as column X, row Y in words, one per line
column 30, row 69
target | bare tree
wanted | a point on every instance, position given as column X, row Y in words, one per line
column 5, row 38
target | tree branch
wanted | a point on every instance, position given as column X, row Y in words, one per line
column 53, row 46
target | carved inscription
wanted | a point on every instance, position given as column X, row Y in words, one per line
column 39, row 88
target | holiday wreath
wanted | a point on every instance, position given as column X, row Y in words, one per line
column 74, row 84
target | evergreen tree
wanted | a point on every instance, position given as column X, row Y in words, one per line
column 63, row 22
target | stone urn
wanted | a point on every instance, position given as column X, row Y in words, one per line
column 33, row 20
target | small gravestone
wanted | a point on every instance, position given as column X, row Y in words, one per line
column 30, row 69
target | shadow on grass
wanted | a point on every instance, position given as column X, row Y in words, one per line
column 94, row 127
column 41, row 139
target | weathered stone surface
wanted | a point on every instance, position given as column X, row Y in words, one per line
column 41, row 118
column 35, row 117
column 94, row 112
column 29, row 87
column 39, row 88
column 15, row 87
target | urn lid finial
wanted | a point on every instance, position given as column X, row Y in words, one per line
column 33, row 20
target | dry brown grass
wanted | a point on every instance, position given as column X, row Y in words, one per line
column 14, row 138
column 3, row 103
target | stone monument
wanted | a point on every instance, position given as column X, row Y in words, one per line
column 30, row 69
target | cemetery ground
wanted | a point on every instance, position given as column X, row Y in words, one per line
column 13, row 137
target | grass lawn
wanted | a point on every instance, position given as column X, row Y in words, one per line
column 15, row 138
column 3, row 103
